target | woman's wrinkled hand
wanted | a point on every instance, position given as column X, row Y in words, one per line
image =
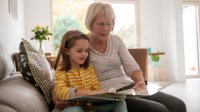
column 139, row 85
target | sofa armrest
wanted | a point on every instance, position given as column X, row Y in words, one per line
column 17, row 95
column 14, row 57
column 141, row 57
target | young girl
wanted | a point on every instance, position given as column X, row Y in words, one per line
column 75, row 76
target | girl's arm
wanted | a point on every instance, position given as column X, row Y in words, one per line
column 84, row 92
column 95, row 86
column 61, row 87
column 60, row 104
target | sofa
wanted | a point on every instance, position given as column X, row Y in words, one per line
column 17, row 95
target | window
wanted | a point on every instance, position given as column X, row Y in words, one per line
column 70, row 14
column 191, row 37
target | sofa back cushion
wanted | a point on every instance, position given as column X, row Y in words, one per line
column 6, row 63
column 35, row 69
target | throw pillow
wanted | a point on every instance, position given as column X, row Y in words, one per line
column 35, row 69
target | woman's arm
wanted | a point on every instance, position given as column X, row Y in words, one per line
column 138, row 79
column 130, row 66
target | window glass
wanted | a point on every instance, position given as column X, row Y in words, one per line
column 70, row 14
column 191, row 49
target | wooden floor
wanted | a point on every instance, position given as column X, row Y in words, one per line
column 189, row 92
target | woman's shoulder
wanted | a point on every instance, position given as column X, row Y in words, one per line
column 114, row 36
column 116, row 39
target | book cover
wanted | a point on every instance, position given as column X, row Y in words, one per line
column 106, row 97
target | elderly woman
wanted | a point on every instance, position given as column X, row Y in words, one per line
column 110, row 58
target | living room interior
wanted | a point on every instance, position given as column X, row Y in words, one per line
column 161, row 29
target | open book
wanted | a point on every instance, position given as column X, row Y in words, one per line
column 105, row 97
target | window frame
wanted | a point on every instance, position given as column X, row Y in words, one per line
column 195, row 3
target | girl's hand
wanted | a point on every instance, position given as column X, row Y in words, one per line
column 97, row 92
column 60, row 104
column 139, row 85
column 84, row 92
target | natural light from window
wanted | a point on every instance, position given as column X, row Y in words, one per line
column 70, row 14
column 191, row 47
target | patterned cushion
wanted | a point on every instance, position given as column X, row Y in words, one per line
column 35, row 69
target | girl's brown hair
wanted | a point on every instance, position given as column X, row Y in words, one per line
column 68, row 41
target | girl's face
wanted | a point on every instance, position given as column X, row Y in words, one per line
column 78, row 53
column 101, row 28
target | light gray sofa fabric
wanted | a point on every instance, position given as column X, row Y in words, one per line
column 16, row 94
column 6, row 64
column 21, row 96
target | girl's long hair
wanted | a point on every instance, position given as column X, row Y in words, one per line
column 68, row 41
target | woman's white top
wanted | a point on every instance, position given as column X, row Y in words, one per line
column 110, row 65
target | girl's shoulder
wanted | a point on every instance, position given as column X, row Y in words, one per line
column 90, row 66
column 59, row 70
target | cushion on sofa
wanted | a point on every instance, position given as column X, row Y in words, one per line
column 35, row 69
column 6, row 63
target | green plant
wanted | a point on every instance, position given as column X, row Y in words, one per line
column 155, row 58
column 41, row 33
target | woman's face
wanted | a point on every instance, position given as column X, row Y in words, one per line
column 101, row 28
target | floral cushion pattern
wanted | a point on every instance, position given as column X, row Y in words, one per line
column 35, row 69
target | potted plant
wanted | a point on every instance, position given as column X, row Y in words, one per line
column 40, row 34
column 155, row 58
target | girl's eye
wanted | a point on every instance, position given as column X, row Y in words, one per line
column 79, row 51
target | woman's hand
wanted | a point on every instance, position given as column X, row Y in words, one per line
column 139, row 85
column 139, row 80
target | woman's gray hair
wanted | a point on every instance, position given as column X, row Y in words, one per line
column 98, row 9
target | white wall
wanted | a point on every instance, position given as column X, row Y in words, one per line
column 161, row 29
column 37, row 12
column 11, row 30
column 29, row 14
column 151, row 33
column 173, row 39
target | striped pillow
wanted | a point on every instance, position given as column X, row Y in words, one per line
column 35, row 69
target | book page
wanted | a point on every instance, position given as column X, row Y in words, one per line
column 107, row 97
column 145, row 91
